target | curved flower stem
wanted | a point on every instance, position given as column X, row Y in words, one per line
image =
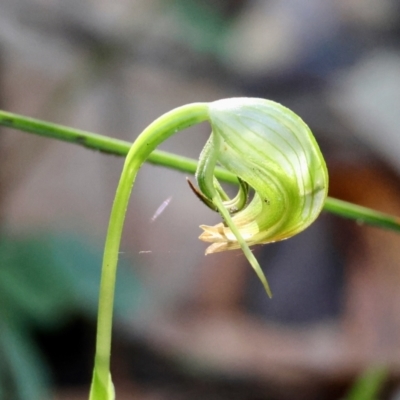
column 118, row 147
column 104, row 144
column 149, row 139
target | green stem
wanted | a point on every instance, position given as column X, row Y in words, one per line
column 121, row 148
column 102, row 143
column 362, row 215
column 150, row 138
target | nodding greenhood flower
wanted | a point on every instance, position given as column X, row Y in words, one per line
column 272, row 151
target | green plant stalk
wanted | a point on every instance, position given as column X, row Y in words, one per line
column 370, row 384
column 362, row 215
column 104, row 144
column 150, row 138
column 118, row 147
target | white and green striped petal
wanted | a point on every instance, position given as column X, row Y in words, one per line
column 272, row 150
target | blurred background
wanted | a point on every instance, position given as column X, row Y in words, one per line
column 189, row 326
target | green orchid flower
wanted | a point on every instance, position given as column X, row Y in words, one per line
column 269, row 149
column 272, row 151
